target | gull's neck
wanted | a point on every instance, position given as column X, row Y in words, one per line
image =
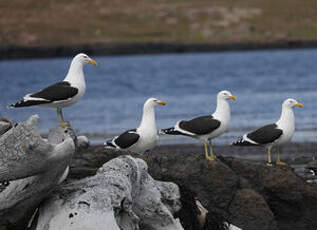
column 222, row 112
column 148, row 118
column 75, row 74
column 287, row 118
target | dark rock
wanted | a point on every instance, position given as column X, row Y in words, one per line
column 248, row 194
column 3, row 227
column 270, row 197
column 199, row 173
column 206, row 219
column 291, row 199
column 217, row 186
column 87, row 161
column 247, row 207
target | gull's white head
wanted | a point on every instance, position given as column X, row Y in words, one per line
column 84, row 59
column 290, row 103
column 226, row 95
column 153, row 102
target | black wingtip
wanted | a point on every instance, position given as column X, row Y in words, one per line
column 16, row 105
column 108, row 143
column 238, row 142
column 242, row 142
column 163, row 131
column 27, row 103
column 170, row 131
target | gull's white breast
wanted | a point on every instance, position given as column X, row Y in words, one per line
column 147, row 141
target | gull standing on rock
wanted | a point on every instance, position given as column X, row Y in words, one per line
column 144, row 137
column 61, row 94
column 205, row 128
column 275, row 134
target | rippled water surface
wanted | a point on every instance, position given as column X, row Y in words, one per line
column 118, row 87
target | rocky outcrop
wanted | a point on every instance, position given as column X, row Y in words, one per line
column 219, row 188
column 122, row 195
column 289, row 197
column 247, row 193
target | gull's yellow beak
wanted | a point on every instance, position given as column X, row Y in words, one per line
column 161, row 102
column 93, row 62
column 300, row 105
column 233, row 97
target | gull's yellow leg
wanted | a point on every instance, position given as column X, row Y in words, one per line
column 61, row 118
column 269, row 162
column 206, row 151
column 278, row 161
column 212, row 156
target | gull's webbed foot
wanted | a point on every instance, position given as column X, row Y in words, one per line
column 211, row 157
column 278, row 162
column 64, row 124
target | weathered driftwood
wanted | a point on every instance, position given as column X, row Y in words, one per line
column 122, row 195
column 24, row 153
column 33, row 165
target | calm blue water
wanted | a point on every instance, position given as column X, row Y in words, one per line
column 118, row 87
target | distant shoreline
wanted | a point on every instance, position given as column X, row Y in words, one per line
column 115, row 49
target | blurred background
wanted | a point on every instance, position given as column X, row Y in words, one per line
column 169, row 49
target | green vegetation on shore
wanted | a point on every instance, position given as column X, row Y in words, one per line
column 73, row 22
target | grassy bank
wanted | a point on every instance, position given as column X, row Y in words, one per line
column 217, row 22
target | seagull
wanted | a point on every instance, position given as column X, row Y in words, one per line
column 275, row 134
column 144, row 137
column 206, row 127
column 61, row 94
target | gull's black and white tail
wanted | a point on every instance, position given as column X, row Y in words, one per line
column 109, row 144
column 242, row 141
column 170, row 131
